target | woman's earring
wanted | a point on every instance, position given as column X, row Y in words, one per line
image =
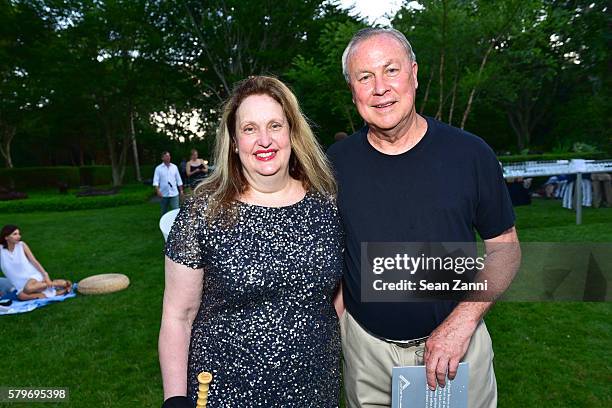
column 236, row 150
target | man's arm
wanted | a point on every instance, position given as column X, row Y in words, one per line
column 156, row 182
column 449, row 342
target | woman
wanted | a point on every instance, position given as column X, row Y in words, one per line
column 196, row 169
column 24, row 271
column 253, row 264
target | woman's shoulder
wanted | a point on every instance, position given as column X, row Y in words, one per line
column 325, row 200
column 196, row 203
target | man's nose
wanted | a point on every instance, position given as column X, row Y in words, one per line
column 380, row 85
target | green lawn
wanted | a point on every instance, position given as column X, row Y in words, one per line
column 104, row 348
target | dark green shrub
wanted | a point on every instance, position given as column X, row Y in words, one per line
column 37, row 177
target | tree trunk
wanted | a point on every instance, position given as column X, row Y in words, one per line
column 113, row 157
column 426, row 96
column 442, row 52
column 441, row 78
column 520, row 126
column 8, row 133
column 452, row 106
column 81, row 155
column 350, row 118
column 468, row 107
column 135, row 147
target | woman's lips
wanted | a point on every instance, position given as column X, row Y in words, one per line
column 265, row 155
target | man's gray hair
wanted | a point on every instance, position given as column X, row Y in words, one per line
column 369, row 32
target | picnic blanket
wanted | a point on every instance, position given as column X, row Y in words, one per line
column 19, row 306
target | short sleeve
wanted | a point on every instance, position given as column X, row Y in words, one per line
column 494, row 212
column 187, row 235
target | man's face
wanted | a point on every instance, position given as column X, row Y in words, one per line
column 166, row 158
column 383, row 81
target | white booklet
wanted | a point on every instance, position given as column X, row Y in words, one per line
column 410, row 389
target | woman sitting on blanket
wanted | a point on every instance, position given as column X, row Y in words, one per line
column 24, row 271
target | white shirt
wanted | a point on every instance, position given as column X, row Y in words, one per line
column 167, row 178
column 18, row 268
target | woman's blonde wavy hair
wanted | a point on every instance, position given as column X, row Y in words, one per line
column 307, row 162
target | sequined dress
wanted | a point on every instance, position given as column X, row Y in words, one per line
column 266, row 327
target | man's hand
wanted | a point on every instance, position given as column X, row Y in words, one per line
column 449, row 342
column 445, row 348
column 159, row 193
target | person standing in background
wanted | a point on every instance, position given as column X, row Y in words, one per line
column 168, row 184
column 196, row 168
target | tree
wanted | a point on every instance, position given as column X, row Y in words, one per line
column 217, row 43
column 320, row 85
column 111, row 59
column 440, row 31
column 24, row 38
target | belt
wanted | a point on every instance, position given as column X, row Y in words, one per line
column 400, row 343
column 406, row 343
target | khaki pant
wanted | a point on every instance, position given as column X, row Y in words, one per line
column 368, row 362
column 602, row 189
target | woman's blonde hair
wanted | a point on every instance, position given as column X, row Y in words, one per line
column 307, row 162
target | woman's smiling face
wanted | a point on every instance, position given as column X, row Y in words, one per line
column 262, row 137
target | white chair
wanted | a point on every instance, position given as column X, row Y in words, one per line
column 166, row 221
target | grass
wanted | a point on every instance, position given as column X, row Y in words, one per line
column 554, row 354
column 104, row 348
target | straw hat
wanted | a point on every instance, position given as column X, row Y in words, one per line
column 104, row 283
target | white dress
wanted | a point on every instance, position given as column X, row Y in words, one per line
column 18, row 268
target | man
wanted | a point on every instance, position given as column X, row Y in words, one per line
column 407, row 178
column 168, row 184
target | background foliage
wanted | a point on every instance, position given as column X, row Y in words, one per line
column 94, row 82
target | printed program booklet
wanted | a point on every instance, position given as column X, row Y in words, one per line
column 410, row 389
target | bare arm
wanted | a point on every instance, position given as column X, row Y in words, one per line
column 188, row 169
column 339, row 301
column 449, row 342
column 34, row 261
column 182, row 295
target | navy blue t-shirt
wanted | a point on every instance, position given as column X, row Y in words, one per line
column 445, row 188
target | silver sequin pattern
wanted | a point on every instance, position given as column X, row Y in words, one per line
column 266, row 327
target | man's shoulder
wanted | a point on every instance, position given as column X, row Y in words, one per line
column 457, row 139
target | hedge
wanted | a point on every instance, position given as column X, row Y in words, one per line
column 35, row 177
column 45, row 177
column 100, row 175
column 70, row 202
